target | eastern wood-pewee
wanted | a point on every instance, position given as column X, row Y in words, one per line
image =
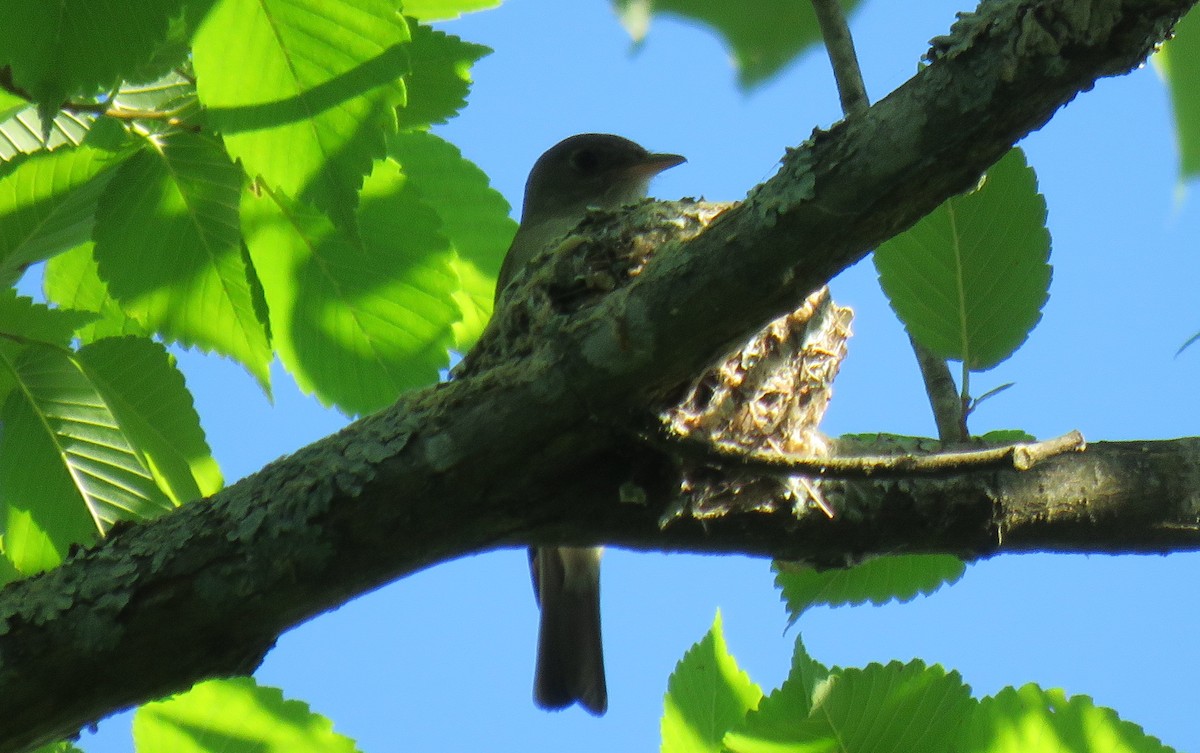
column 588, row 171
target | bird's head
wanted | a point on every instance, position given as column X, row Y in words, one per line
column 591, row 170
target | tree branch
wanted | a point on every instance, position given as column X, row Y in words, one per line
column 839, row 44
column 906, row 463
column 524, row 452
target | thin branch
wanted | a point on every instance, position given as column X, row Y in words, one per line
column 840, row 46
column 944, row 398
column 1020, row 456
column 10, row 86
column 92, row 108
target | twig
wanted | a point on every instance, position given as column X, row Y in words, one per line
column 95, row 108
column 10, row 86
column 1020, row 456
column 840, row 46
column 947, row 404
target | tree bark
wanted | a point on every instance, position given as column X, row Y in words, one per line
column 537, row 448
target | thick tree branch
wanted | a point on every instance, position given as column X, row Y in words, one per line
column 535, row 449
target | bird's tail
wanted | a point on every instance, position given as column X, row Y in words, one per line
column 570, row 655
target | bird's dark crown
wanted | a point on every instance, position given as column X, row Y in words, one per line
column 590, row 170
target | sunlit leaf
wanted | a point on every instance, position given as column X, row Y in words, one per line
column 440, row 77
column 325, row 84
column 63, row 746
column 445, row 10
column 878, row 580
column 145, row 391
column 169, row 246
column 23, row 132
column 356, row 320
column 778, row 712
column 1179, row 61
column 67, row 468
column 235, row 715
column 171, row 99
column 72, row 280
column 48, row 204
column 1031, row 720
column 896, row 708
column 707, row 694
column 11, row 104
column 23, row 320
column 474, row 217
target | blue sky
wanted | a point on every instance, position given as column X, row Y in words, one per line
column 444, row 660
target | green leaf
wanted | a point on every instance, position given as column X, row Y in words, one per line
column 67, row 468
column 894, row 709
column 970, row 279
column 22, row 132
column 28, row 547
column 62, row 746
column 1179, row 61
column 445, row 10
column 173, row 53
column 23, row 320
column 173, row 95
column 235, row 715
column 882, row 443
column 707, row 694
column 171, row 92
column 356, row 320
column 169, row 246
column 110, row 134
column 1007, row 436
column 72, row 280
column 474, row 217
column 48, row 204
column 63, row 49
column 9, row 571
column 10, row 105
column 440, row 77
column 763, row 35
column 326, row 82
column 877, row 580
column 777, row 712
column 146, row 392
column 1032, row 720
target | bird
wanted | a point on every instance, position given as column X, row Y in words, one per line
column 578, row 174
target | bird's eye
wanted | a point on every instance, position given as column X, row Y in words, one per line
column 585, row 160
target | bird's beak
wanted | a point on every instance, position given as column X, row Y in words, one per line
column 654, row 164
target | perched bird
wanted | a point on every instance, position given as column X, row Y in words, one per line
column 588, row 171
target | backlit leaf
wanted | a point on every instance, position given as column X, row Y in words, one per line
column 970, row 279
